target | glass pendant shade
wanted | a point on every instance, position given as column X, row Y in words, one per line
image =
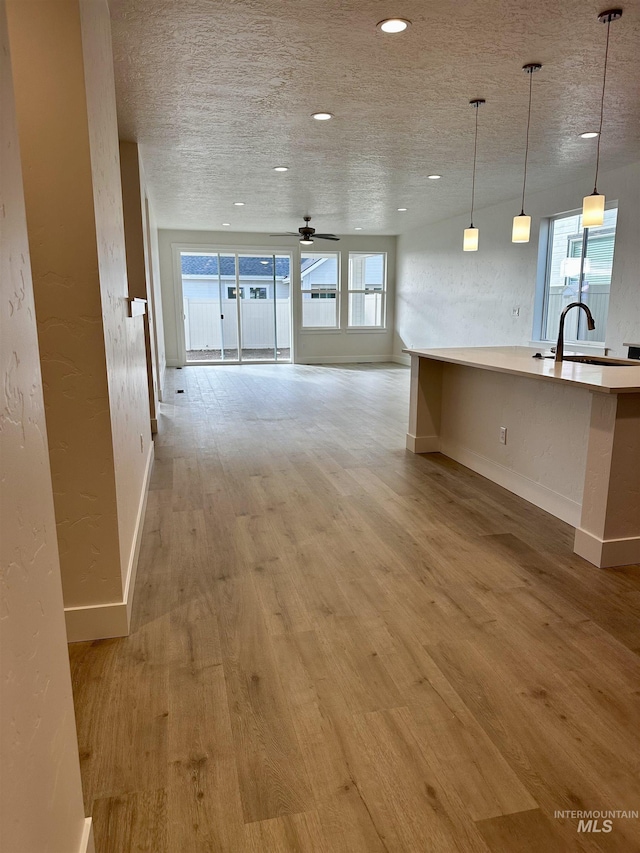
column 470, row 242
column 521, row 229
column 592, row 210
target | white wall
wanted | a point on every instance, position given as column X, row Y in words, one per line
column 41, row 808
column 447, row 297
column 92, row 353
column 309, row 346
column 547, row 424
column 124, row 336
column 155, row 291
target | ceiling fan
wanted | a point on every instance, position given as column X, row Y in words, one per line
column 307, row 234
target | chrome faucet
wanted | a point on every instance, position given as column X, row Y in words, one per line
column 590, row 324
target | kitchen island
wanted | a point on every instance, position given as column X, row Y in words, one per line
column 565, row 436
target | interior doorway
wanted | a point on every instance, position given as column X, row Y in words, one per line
column 236, row 307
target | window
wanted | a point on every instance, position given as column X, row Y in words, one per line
column 367, row 290
column 579, row 265
column 320, row 284
column 257, row 293
column 231, row 292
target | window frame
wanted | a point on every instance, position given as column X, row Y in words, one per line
column 545, row 261
column 382, row 326
column 322, row 291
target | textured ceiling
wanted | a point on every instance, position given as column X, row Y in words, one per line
column 218, row 92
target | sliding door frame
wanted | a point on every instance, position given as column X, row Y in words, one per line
column 218, row 249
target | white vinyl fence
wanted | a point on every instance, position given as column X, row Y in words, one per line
column 203, row 326
column 597, row 300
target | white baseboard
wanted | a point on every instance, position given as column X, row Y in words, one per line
column 606, row 553
column 342, row 359
column 99, row 621
column 423, row 443
column 552, row 502
column 403, row 358
column 174, row 362
column 86, row 843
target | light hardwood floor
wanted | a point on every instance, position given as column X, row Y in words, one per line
column 341, row 647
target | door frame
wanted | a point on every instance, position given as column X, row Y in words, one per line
column 216, row 248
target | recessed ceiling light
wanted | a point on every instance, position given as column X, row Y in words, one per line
column 280, row 168
column 357, row 228
column 227, row 224
column 393, row 25
column 589, row 134
column 401, row 209
column 322, row 116
column 238, row 204
column 434, row 177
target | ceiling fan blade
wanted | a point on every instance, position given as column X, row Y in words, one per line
column 286, row 234
column 326, row 236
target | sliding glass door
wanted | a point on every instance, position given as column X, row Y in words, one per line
column 236, row 307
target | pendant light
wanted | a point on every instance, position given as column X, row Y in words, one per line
column 593, row 205
column 470, row 240
column 522, row 224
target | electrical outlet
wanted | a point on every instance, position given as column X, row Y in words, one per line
column 515, row 312
column 503, row 435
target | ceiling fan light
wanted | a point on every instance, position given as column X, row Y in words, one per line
column 521, row 229
column 306, row 242
column 470, row 241
column 592, row 210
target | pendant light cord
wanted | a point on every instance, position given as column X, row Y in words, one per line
column 526, row 150
column 604, row 81
column 475, row 150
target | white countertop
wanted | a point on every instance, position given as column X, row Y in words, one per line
column 519, row 361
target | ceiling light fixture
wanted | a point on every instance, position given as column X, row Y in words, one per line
column 280, row 168
column 470, row 240
column 227, row 224
column 402, row 209
column 521, row 230
column 589, row 134
column 322, row 116
column 393, row 25
column 358, row 228
column 593, row 205
column 238, row 204
column 304, row 242
column 434, row 177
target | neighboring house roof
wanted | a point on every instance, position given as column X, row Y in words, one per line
column 309, row 264
column 208, row 265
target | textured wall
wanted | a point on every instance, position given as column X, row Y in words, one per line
column 93, row 357
column 41, row 805
column 447, row 297
column 123, row 336
column 139, row 279
column 153, row 269
column 309, row 345
column 51, row 106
